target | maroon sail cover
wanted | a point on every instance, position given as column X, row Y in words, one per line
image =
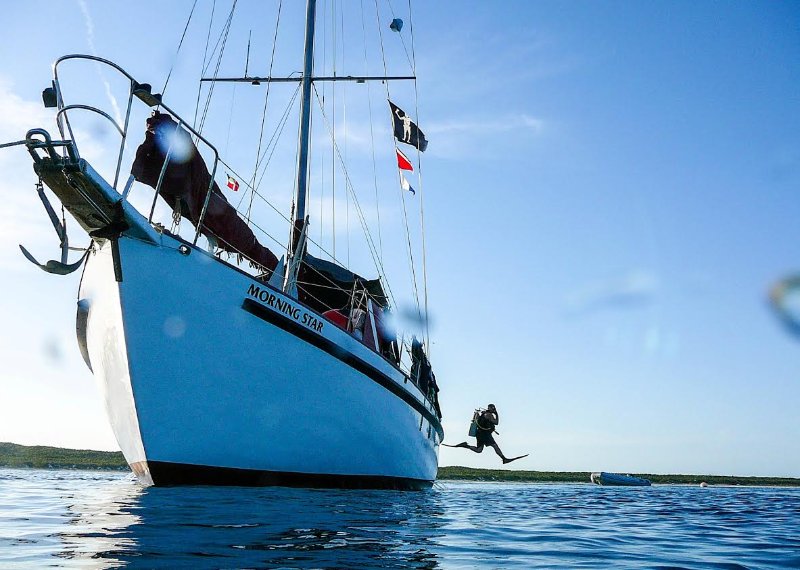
column 186, row 182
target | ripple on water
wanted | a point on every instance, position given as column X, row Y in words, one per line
column 106, row 520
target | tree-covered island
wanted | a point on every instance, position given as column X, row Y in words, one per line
column 43, row 457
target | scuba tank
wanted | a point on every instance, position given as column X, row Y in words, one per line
column 473, row 427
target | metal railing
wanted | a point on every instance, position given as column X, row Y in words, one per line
column 49, row 145
column 143, row 92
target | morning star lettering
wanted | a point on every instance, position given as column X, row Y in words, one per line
column 269, row 299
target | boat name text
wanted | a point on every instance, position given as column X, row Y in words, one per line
column 271, row 300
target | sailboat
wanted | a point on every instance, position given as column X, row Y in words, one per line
column 317, row 390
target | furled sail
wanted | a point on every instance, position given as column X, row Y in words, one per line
column 185, row 185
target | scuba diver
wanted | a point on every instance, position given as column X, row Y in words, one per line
column 486, row 422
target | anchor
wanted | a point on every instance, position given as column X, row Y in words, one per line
column 53, row 266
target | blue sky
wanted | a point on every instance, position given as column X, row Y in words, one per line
column 609, row 192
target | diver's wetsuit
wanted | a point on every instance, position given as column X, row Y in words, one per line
column 485, row 429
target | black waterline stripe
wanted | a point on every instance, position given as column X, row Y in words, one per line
column 165, row 473
column 301, row 332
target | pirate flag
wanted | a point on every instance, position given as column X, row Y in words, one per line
column 405, row 130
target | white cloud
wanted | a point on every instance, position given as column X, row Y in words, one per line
column 353, row 138
column 454, row 138
column 447, row 138
column 489, row 127
column 634, row 289
column 17, row 116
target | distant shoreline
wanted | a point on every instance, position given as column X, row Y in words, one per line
column 470, row 474
column 44, row 457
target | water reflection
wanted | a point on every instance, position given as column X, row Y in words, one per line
column 92, row 520
column 126, row 525
column 97, row 511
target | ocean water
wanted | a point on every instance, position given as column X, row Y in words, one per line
column 82, row 519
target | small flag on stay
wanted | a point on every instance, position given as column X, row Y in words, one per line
column 405, row 185
column 233, row 184
column 402, row 161
column 405, row 130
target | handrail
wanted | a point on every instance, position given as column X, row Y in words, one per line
column 136, row 88
column 93, row 109
column 91, row 58
column 135, row 84
column 60, row 100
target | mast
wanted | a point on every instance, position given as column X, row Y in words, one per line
column 305, row 113
column 305, row 119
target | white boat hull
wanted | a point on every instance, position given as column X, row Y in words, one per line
column 211, row 377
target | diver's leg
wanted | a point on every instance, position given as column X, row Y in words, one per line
column 500, row 453
column 476, row 448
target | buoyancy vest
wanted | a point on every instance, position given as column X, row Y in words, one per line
column 484, row 423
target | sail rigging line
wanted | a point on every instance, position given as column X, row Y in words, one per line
column 177, row 51
column 333, row 130
column 408, row 239
column 324, row 93
column 344, row 130
column 253, row 188
column 230, row 120
column 419, row 178
column 409, row 251
column 341, row 264
column 276, row 134
column 233, row 97
column 220, row 38
column 399, row 33
column 224, row 36
column 371, row 133
column 279, row 242
column 362, row 219
column 15, row 143
column 266, row 101
column 255, row 191
column 239, row 253
column 272, row 145
column 205, row 61
column 247, row 57
column 251, row 223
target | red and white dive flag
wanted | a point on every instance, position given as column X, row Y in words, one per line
column 405, row 185
column 402, row 161
column 233, row 184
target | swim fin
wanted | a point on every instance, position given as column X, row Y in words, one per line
column 514, row 458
